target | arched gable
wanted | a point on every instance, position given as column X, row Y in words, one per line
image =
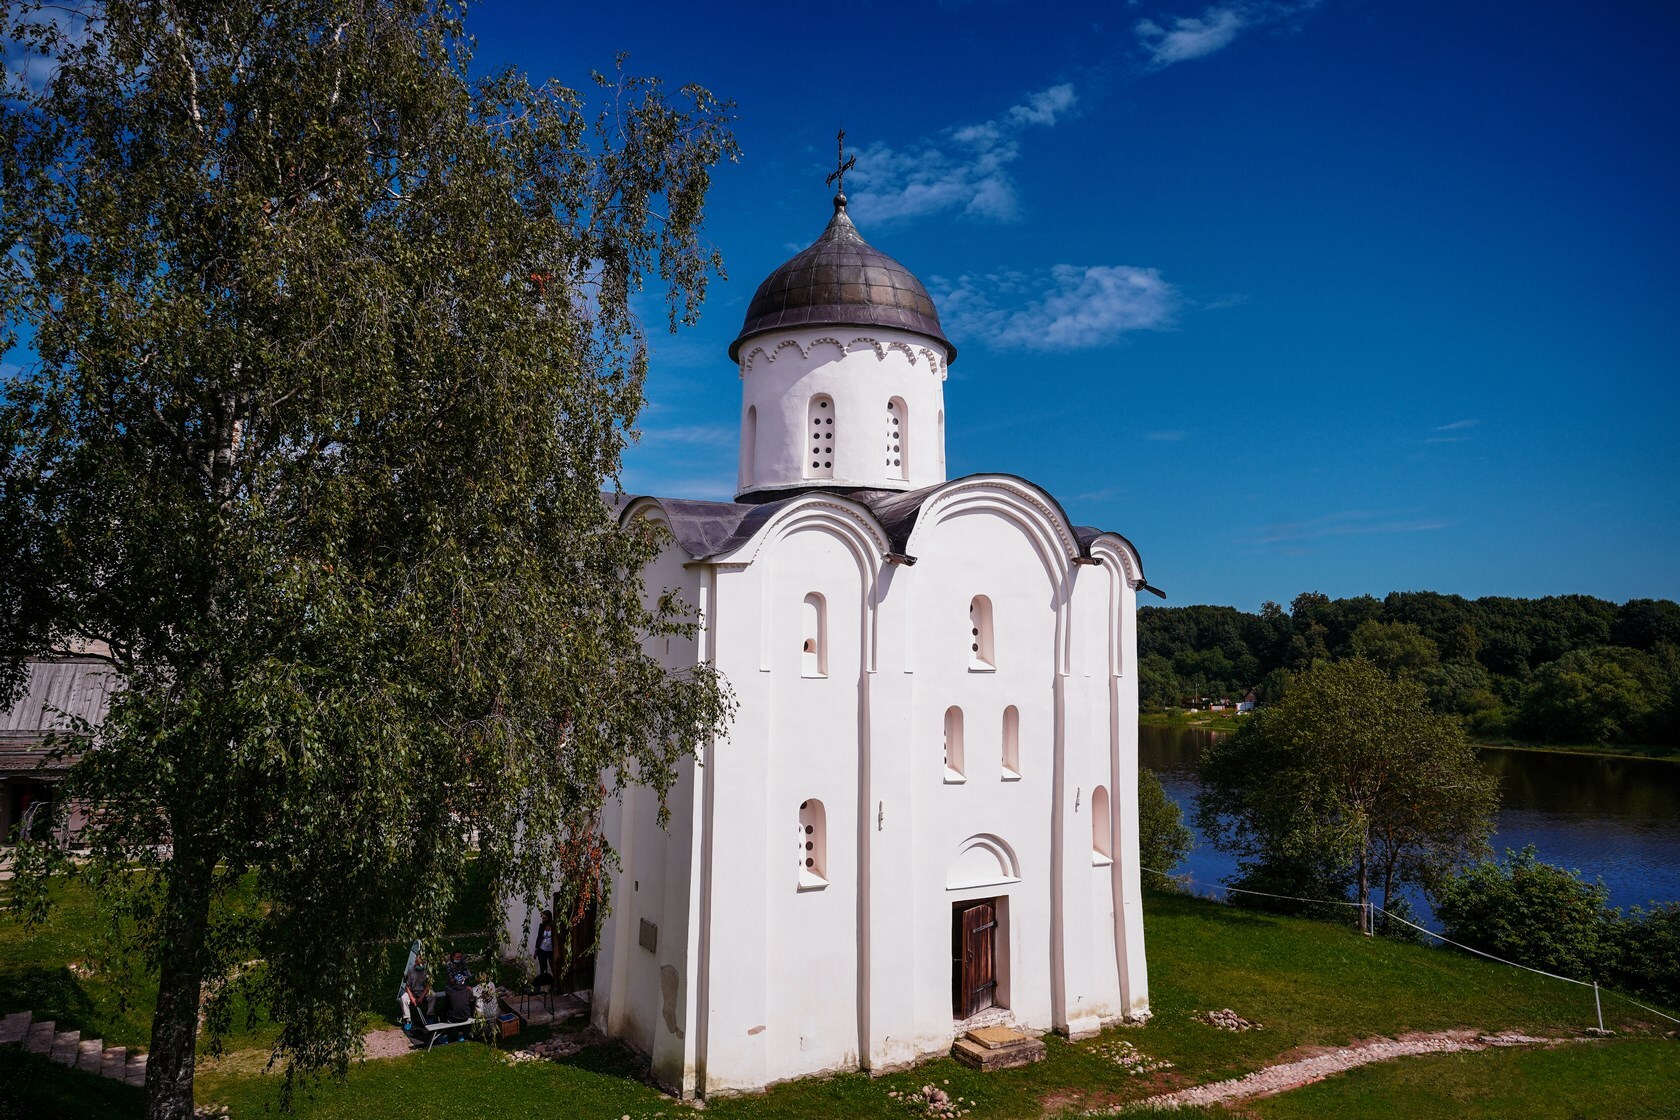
column 847, row 522
column 1030, row 509
column 1025, row 507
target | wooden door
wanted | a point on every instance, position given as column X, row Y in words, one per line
column 574, row 950
column 976, row 969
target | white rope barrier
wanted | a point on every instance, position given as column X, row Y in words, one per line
column 1388, row 914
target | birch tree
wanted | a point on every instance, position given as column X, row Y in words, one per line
column 324, row 347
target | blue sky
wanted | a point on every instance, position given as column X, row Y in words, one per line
column 1353, row 296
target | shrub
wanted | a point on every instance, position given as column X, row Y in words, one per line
column 1163, row 841
column 1532, row 913
column 1646, row 954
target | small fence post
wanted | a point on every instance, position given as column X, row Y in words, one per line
column 1598, row 1006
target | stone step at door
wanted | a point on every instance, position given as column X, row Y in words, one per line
column 135, row 1072
column 114, row 1063
column 64, row 1047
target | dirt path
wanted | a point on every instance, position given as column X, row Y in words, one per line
column 1293, row 1075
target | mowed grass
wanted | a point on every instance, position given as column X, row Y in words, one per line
column 1308, row 984
column 1631, row 1079
column 67, row 970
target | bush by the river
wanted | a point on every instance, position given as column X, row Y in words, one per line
column 1163, row 839
column 1546, row 917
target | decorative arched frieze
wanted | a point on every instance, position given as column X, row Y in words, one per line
column 983, row 860
column 936, row 363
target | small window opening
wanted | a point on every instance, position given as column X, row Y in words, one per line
column 1011, row 743
column 813, row 844
column 898, row 439
column 749, row 445
column 980, row 650
column 1102, row 839
column 942, row 439
column 955, row 771
column 813, row 652
column 821, row 425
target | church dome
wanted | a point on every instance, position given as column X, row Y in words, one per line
column 842, row 281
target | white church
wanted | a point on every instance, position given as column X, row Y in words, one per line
column 923, row 816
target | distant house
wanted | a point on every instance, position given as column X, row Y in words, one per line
column 60, row 695
column 1247, row 702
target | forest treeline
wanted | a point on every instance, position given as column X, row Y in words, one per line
column 1564, row 669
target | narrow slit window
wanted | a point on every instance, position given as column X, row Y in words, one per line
column 980, row 648
column 749, row 445
column 898, row 439
column 813, row 653
column 813, row 844
column 820, row 429
column 955, row 771
column 1011, row 743
column 1102, row 838
column 942, row 439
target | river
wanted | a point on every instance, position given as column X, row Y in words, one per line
column 1614, row 819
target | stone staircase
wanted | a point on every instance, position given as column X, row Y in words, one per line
column 69, row 1048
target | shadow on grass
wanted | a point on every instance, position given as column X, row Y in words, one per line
column 32, row 1088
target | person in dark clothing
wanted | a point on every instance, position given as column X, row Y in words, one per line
column 544, row 951
column 459, row 985
column 418, row 981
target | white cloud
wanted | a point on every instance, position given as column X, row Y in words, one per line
column 964, row 169
column 1349, row 523
column 1072, row 307
column 703, row 435
column 1181, row 38
column 1457, row 426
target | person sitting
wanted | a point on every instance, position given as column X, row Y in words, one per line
column 418, row 981
column 459, row 976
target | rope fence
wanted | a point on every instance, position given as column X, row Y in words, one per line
column 1373, row 907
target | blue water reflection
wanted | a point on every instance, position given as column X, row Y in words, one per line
column 1609, row 818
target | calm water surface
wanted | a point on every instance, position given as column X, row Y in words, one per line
column 1614, row 819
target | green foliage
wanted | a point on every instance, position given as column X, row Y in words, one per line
column 1481, row 660
column 1348, row 781
column 332, row 352
column 1163, row 839
column 1601, row 695
column 1646, row 952
column 1529, row 912
column 1546, row 917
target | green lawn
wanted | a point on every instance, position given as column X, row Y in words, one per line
column 1630, row 1079
column 1308, row 983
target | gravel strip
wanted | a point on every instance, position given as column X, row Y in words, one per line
column 1292, row 1075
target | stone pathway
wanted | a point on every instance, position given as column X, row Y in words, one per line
column 1293, row 1075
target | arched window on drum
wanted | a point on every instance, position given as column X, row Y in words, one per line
column 898, row 439
column 820, row 427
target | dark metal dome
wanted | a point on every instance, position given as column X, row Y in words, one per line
column 841, row 281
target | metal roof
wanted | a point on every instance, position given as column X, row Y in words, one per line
column 841, row 280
